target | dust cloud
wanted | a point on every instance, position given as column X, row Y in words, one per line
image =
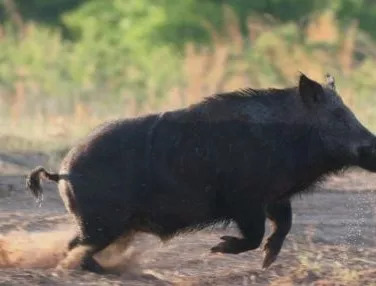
column 45, row 250
column 34, row 249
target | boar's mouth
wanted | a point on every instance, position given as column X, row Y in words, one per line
column 367, row 157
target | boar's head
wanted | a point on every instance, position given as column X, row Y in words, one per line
column 343, row 137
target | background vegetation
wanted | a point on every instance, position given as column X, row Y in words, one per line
column 66, row 65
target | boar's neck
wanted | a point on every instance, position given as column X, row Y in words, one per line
column 311, row 163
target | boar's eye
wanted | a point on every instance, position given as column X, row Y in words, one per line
column 341, row 116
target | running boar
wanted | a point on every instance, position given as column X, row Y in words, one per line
column 238, row 156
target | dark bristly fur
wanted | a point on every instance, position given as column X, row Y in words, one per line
column 235, row 157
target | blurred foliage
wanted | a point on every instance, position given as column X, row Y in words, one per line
column 44, row 11
column 185, row 18
column 127, row 56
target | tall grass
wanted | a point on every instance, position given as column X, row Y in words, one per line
column 51, row 92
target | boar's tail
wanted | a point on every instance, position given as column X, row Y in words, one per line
column 33, row 182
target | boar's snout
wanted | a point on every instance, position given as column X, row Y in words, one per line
column 367, row 156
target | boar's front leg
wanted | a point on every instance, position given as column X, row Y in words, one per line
column 281, row 216
column 251, row 222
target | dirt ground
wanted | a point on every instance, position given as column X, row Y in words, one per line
column 331, row 242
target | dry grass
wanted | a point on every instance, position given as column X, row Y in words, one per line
column 267, row 58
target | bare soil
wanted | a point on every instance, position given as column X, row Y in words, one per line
column 332, row 241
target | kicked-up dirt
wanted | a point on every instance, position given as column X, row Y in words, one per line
column 332, row 241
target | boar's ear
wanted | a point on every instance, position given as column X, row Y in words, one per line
column 310, row 90
column 330, row 81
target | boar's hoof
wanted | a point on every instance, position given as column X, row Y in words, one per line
column 270, row 257
column 231, row 245
column 89, row 264
column 271, row 250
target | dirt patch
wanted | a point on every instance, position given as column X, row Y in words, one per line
column 331, row 243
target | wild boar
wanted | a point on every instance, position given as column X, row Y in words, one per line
column 238, row 156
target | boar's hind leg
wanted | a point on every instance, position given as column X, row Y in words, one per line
column 82, row 250
column 81, row 255
column 280, row 214
column 73, row 242
column 252, row 227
